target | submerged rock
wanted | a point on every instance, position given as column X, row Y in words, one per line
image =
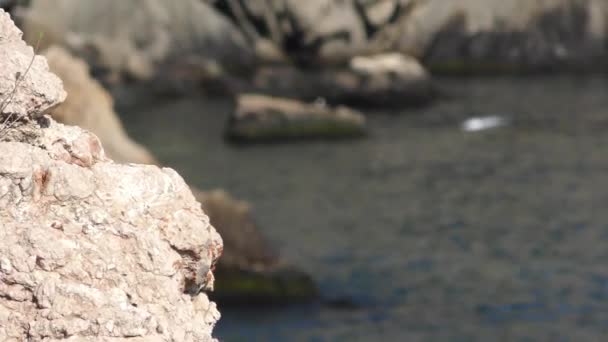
column 250, row 272
column 91, row 250
column 264, row 118
column 384, row 80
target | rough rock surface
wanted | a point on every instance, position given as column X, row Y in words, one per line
column 448, row 35
column 247, row 256
column 89, row 106
column 91, row 250
column 26, row 86
column 503, row 35
column 487, row 35
column 135, row 37
column 265, row 118
column 382, row 80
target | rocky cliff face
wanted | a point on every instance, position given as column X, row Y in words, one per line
column 91, row 250
column 136, row 37
column 483, row 35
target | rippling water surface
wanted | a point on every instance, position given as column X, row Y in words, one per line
column 436, row 234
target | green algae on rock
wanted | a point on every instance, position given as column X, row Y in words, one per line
column 260, row 118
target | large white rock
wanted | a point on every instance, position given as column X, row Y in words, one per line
column 91, row 250
column 135, row 37
column 26, row 85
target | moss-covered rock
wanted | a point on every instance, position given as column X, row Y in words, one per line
column 278, row 287
column 259, row 118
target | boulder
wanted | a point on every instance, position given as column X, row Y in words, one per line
column 91, row 250
column 247, row 258
column 263, row 118
column 27, row 89
column 383, row 80
column 250, row 272
column 502, row 35
column 449, row 36
column 312, row 33
column 137, row 38
column 89, row 106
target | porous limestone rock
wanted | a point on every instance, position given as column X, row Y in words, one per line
column 26, row 86
column 247, row 257
column 91, row 250
column 265, row 118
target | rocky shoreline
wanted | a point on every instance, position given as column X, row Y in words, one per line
column 315, row 56
column 91, row 250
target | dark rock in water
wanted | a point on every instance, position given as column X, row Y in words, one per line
column 341, row 303
column 259, row 118
column 377, row 81
column 244, row 246
column 250, row 272
column 277, row 287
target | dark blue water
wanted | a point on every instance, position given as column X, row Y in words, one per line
column 435, row 233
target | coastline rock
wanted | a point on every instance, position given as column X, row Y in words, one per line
column 27, row 89
column 91, row 250
column 311, row 33
column 249, row 271
column 244, row 246
column 137, row 38
column 453, row 36
column 89, row 106
column 502, row 35
column 247, row 258
column 264, row 118
column 384, row 80
column 449, row 36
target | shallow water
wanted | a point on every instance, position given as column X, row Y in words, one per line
column 437, row 234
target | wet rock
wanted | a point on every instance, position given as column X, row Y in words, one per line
column 137, row 38
column 91, row 250
column 278, row 286
column 250, row 272
column 245, row 247
column 264, row 118
column 384, row 80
